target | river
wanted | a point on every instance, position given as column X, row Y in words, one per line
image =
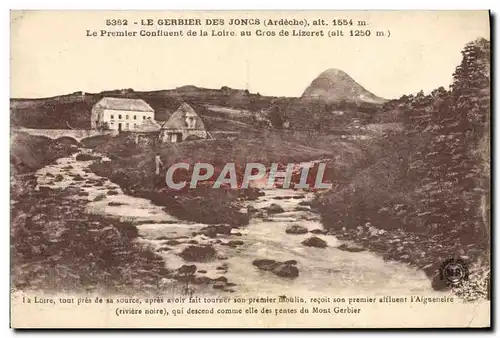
column 325, row 271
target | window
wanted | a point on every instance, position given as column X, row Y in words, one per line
column 126, row 117
column 112, row 116
column 120, row 116
column 127, row 126
column 135, row 117
column 135, row 125
column 144, row 117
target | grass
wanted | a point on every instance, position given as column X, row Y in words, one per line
column 132, row 167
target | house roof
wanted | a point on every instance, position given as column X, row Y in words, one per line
column 178, row 119
column 148, row 126
column 116, row 103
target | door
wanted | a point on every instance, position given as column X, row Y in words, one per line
column 119, row 127
column 179, row 137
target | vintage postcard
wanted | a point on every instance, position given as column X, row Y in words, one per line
column 250, row 169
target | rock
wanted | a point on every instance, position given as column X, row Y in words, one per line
column 315, row 242
column 112, row 192
column 238, row 234
column 235, row 242
column 222, row 267
column 164, row 248
column 219, row 285
column 319, row 231
column 58, row 178
column 77, row 177
column 172, row 242
column 210, row 231
column 86, row 157
column 196, row 253
column 298, row 197
column 83, row 193
column 300, row 208
column 187, row 269
column 162, row 238
column 192, row 241
column 286, row 270
column 251, row 209
column 350, row 248
column 223, row 229
column 290, row 262
column 49, row 175
column 202, row 271
column 305, row 203
column 275, row 209
column 202, row 280
column 115, row 204
column 296, row 229
column 265, row 264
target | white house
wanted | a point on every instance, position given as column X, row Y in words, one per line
column 120, row 114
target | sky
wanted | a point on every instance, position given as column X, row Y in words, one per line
column 51, row 54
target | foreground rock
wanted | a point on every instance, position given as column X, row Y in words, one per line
column 315, row 242
column 275, row 209
column 296, row 229
column 196, row 253
column 212, row 230
column 282, row 269
column 351, row 248
column 87, row 157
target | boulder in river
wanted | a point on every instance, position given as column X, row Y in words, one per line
column 315, row 242
column 115, row 204
column 286, row 270
column 282, row 269
column 296, row 229
column 58, row 178
column 86, row 157
column 187, row 269
column 251, row 209
column 197, row 253
column 172, row 242
column 265, row 264
column 223, row 229
column 235, row 242
column 350, row 248
column 219, row 285
column 319, row 231
column 275, row 209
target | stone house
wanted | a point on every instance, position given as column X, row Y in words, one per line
column 183, row 124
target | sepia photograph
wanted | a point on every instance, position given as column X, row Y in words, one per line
column 250, row 169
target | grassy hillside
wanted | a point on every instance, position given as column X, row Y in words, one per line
column 222, row 109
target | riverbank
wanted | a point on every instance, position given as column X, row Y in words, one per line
column 57, row 246
column 385, row 209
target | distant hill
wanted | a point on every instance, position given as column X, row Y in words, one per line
column 224, row 109
column 334, row 85
column 73, row 110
